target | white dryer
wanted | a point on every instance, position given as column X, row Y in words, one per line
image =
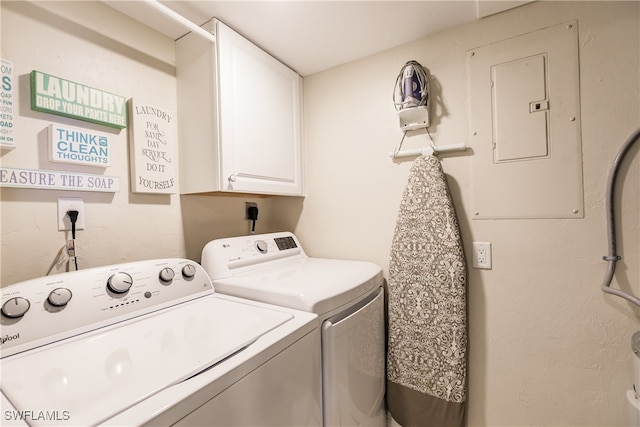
column 151, row 343
column 348, row 298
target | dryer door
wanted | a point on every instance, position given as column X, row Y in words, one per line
column 353, row 359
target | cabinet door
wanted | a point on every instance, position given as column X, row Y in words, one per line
column 260, row 120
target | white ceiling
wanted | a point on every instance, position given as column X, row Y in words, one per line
column 315, row 35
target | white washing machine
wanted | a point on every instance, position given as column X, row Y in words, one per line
column 151, row 343
column 348, row 298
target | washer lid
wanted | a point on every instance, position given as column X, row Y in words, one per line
column 88, row 380
column 315, row 285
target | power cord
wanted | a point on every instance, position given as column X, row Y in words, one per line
column 71, row 244
column 252, row 213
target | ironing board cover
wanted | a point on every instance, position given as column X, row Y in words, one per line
column 427, row 333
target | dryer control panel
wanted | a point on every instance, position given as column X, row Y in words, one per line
column 42, row 311
column 222, row 256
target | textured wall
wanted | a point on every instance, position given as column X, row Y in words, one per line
column 90, row 43
column 546, row 346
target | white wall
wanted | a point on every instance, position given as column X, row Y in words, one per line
column 92, row 44
column 547, row 347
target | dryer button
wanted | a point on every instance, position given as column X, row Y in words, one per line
column 262, row 247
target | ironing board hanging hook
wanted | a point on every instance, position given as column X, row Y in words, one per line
column 399, row 147
column 432, row 145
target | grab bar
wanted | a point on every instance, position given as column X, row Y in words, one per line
column 612, row 257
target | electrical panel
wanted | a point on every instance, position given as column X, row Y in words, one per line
column 524, row 109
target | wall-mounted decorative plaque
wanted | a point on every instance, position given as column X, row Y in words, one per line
column 153, row 136
column 50, row 94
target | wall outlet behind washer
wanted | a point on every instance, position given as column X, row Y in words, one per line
column 66, row 204
column 248, row 205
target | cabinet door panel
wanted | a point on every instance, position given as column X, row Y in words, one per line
column 259, row 119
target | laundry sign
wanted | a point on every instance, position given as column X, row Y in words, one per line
column 79, row 146
column 50, row 94
column 153, row 135
column 58, row 180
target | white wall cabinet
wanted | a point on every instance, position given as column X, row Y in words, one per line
column 239, row 112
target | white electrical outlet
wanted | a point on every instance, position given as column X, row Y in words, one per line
column 70, row 204
column 482, row 255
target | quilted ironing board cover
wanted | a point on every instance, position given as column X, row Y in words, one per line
column 427, row 330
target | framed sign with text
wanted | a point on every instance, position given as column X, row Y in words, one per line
column 7, row 104
column 79, row 146
column 54, row 95
column 152, row 144
column 57, row 180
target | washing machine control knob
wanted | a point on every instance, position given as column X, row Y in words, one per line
column 120, row 282
column 188, row 271
column 59, row 297
column 262, row 247
column 167, row 274
column 15, row 307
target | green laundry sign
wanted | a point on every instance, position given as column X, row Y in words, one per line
column 50, row 94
